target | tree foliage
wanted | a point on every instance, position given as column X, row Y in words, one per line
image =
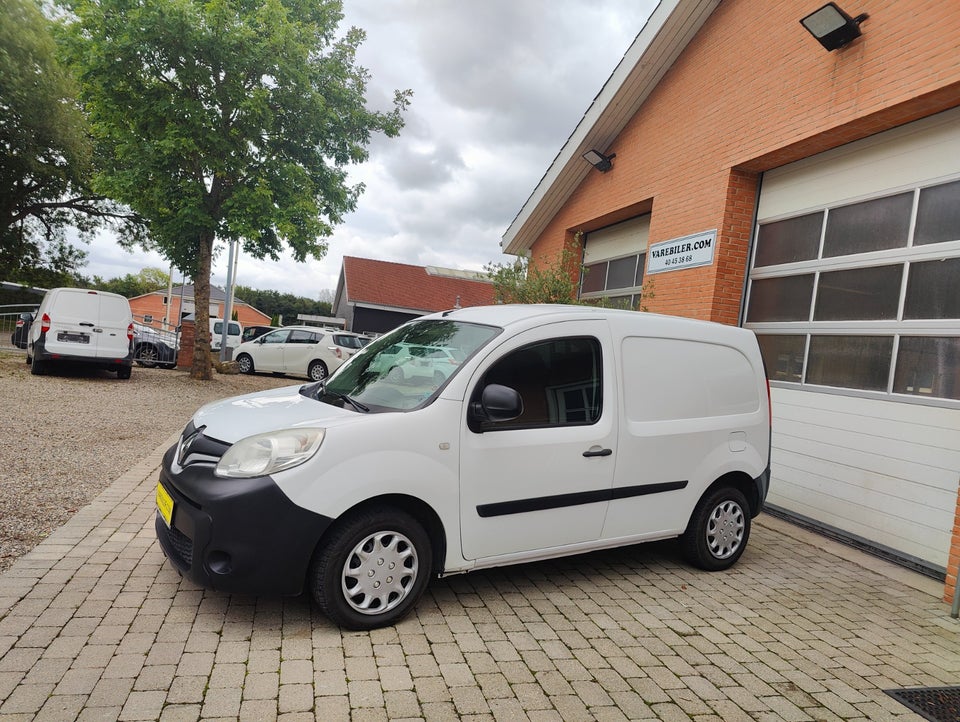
column 229, row 120
column 45, row 156
column 287, row 305
column 146, row 280
column 553, row 280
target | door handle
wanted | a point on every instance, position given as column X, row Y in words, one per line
column 86, row 323
column 594, row 451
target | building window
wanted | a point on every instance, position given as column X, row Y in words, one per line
column 613, row 262
column 863, row 296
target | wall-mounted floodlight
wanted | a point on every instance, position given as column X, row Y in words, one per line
column 598, row 160
column 832, row 27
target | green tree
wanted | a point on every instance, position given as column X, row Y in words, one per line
column 146, row 280
column 554, row 280
column 274, row 303
column 45, row 156
column 229, row 120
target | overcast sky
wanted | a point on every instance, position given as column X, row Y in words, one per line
column 498, row 87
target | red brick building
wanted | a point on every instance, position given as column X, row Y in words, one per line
column 377, row 296
column 756, row 178
column 153, row 309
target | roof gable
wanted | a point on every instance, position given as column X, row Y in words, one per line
column 669, row 29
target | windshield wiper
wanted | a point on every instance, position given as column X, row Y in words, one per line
column 353, row 402
column 318, row 389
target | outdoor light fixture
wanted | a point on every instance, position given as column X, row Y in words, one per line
column 832, row 27
column 598, row 160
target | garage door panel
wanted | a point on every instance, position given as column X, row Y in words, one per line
column 887, row 494
column 897, row 458
column 914, row 538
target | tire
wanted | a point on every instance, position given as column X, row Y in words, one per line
column 245, row 363
column 123, row 372
column 372, row 569
column 168, row 366
column 38, row 367
column 146, row 355
column 317, row 371
column 718, row 530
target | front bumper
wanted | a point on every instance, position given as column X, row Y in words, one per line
column 236, row 535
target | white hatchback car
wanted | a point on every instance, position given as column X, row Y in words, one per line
column 296, row 350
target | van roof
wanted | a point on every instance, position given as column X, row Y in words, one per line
column 507, row 315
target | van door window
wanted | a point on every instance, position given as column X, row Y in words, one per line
column 559, row 382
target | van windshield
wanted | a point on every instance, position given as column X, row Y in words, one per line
column 405, row 369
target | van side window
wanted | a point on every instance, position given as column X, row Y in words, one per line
column 559, row 381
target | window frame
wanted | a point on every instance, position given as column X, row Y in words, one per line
column 556, row 400
column 895, row 328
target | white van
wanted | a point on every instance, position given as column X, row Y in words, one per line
column 561, row 429
column 79, row 325
column 234, row 334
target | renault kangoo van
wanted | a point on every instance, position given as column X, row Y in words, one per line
column 541, row 431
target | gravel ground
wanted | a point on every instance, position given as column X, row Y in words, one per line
column 65, row 437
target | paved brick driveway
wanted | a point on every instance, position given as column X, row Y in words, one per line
column 95, row 625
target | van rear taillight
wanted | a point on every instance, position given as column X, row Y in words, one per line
column 45, row 323
column 130, row 335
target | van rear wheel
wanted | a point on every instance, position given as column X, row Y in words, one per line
column 718, row 530
column 38, row 367
column 372, row 569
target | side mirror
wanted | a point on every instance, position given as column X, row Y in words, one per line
column 497, row 403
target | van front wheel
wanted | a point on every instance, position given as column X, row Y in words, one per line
column 373, row 568
column 718, row 530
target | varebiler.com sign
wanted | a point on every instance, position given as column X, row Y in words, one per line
column 686, row 252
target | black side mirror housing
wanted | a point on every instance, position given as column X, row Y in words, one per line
column 497, row 403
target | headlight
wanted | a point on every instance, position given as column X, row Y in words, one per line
column 268, row 453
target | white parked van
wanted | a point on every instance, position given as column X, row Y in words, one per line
column 560, row 430
column 79, row 325
column 234, row 333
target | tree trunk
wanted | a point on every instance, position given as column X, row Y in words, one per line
column 202, row 368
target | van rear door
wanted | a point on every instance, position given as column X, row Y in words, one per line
column 73, row 316
column 115, row 319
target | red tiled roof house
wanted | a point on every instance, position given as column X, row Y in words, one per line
column 377, row 296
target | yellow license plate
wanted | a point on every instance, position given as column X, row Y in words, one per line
column 164, row 504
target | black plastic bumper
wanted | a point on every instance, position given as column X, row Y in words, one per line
column 236, row 535
column 103, row 362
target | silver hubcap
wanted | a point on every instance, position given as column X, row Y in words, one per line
column 380, row 572
column 725, row 529
column 317, row 373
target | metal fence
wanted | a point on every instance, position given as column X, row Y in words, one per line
column 9, row 314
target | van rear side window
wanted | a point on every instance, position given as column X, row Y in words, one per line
column 668, row 379
column 559, row 381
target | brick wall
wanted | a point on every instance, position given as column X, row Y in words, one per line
column 953, row 560
column 152, row 304
column 753, row 91
column 188, row 333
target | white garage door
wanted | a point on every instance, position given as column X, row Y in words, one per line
column 853, row 295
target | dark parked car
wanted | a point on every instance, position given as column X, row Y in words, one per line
column 254, row 332
column 152, row 347
column 22, row 332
